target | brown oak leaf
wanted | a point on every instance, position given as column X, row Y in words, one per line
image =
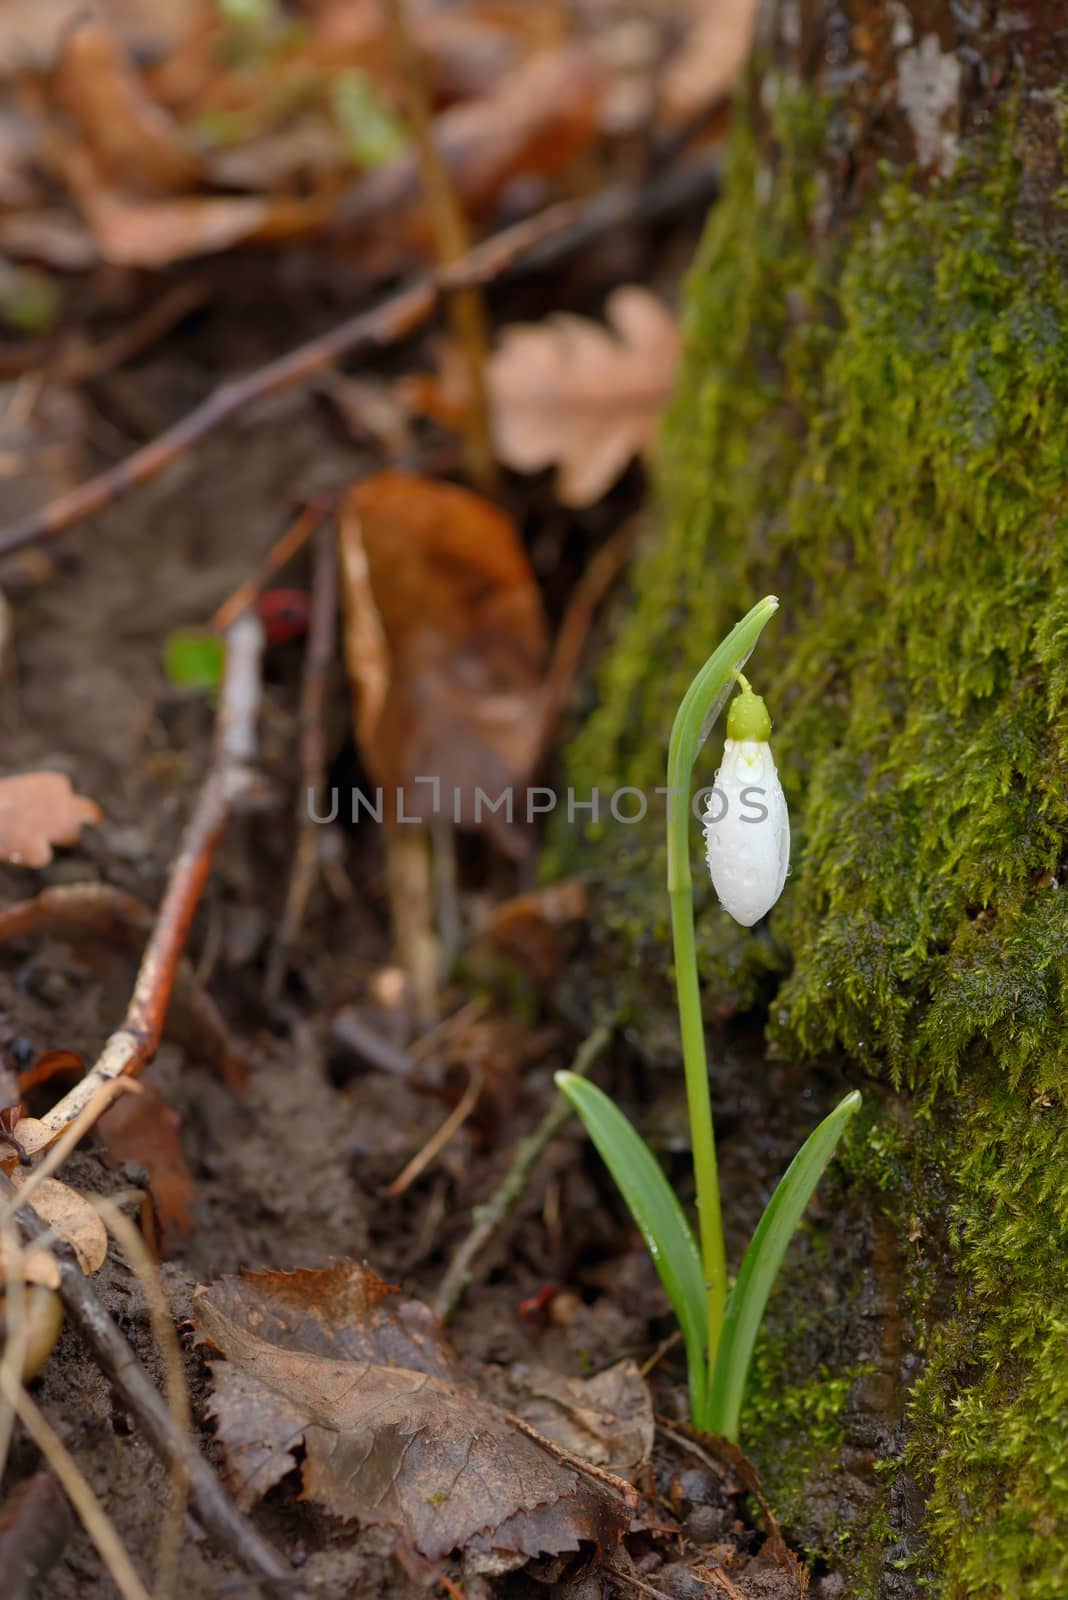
column 38, row 810
column 568, row 393
column 392, row 1433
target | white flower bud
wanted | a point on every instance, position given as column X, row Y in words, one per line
column 747, row 826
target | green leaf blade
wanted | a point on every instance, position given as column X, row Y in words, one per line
column 749, row 1297
column 660, row 1219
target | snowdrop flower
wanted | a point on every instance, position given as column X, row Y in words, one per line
column 747, row 827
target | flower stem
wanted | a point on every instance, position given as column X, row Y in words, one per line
column 699, row 1103
column 700, row 705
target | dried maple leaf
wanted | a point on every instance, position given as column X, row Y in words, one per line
column 445, row 641
column 568, row 393
column 38, row 810
column 391, row 1433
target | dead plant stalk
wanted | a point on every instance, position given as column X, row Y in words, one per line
column 466, row 309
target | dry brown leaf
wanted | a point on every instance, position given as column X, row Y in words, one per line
column 38, row 810
column 33, row 1136
column 445, row 640
column 70, row 1215
column 567, row 393
column 606, row 1419
column 144, row 1128
column 392, row 1434
column 31, row 31
column 133, row 142
column 710, row 59
column 153, row 233
column 527, row 927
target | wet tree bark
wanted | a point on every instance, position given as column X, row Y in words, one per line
column 871, row 423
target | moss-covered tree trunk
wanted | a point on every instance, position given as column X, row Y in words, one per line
column 873, row 423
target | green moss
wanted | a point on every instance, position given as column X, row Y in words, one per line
column 795, row 1431
column 874, row 428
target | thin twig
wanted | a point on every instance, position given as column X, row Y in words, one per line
column 322, row 637
column 662, row 1349
column 93, row 1517
column 635, row 1582
column 489, row 1218
column 452, row 243
column 132, row 1046
column 533, row 244
column 437, row 1141
column 279, row 555
column 348, row 1032
column 73, row 1133
column 85, row 360
column 209, row 1501
column 611, row 1480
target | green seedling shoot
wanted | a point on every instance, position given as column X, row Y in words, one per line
column 748, row 856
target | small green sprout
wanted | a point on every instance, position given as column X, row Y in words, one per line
column 719, row 1324
column 373, row 135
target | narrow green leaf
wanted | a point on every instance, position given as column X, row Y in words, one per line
column 655, row 1208
column 749, row 1297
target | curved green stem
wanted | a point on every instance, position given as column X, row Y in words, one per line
column 702, row 701
column 699, row 1100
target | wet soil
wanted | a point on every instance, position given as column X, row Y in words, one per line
column 291, row 1171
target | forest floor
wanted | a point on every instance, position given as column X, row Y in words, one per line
column 293, row 1170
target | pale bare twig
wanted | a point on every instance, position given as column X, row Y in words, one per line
column 72, row 1135
column 132, row 1046
column 466, row 310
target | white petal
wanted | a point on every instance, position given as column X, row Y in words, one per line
column 747, row 831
